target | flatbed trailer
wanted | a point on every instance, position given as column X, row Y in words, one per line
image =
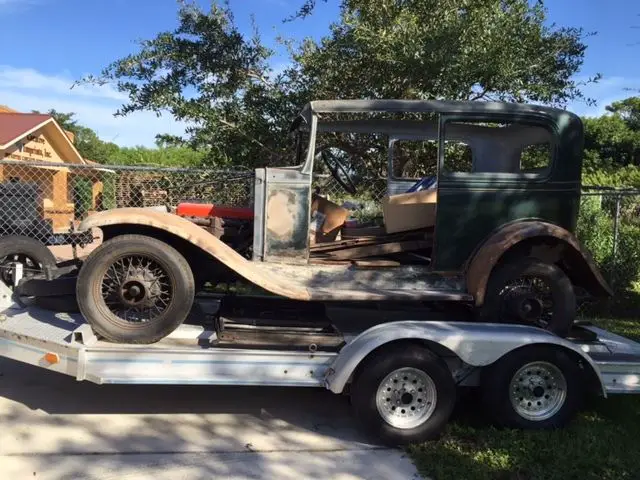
column 402, row 376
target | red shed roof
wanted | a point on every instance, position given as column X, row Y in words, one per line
column 16, row 125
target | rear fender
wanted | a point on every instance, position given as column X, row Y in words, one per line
column 200, row 238
column 557, row 243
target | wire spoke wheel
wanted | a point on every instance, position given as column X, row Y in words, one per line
column 137, row 288
column 530, row 291
column 528, row 299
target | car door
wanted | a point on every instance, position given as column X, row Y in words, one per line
column 493, row 170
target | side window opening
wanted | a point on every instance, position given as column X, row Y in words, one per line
column 492, row 147
column 414, row 159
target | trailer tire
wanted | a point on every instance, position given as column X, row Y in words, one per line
column 26, row 250
column 533, row 388
column 418, row 409
column 158, row 279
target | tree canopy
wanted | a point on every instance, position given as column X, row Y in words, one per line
column 91, row 147
column 219, row 80
column 613, row 140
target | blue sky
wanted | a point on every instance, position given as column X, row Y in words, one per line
column 47, row 44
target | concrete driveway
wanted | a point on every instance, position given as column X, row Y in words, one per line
column 52, row 427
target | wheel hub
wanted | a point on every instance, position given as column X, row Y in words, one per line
column 8, row 264
column 526, row 307
column 136, row 288
column 538, row 391
column 528, row 300
column 134, row 292
column 406, row 398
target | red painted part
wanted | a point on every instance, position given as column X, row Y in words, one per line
column 208, row 210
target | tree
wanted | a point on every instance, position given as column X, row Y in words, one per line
column 207, row 73
column 628, row 110
column 86, row 141
column 91, row 147
column 65, row 120
column 613, row 140
column 452, row 49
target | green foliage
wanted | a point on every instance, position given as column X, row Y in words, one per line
column 108, row 191
column 489, row 49
column 161, row 157
column 82, row 196
column 629, row 110
column 207, row 73
column 613, row 141
column 595, row 231
column 601, row 444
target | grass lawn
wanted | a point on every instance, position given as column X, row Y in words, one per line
column 602, row 443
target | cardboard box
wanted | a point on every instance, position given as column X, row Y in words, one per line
column 327, row 218
column 409, row 211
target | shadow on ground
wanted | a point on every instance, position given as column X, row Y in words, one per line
column 60, row 428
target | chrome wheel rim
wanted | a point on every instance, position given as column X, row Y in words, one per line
column 136, row 289
column 406, row 398
column 538, row 391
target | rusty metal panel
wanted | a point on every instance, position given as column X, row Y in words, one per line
column 482, row 262
column 287, row 204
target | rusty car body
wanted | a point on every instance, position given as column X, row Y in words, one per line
column 507, row 188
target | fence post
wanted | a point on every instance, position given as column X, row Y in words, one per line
column 616, row 228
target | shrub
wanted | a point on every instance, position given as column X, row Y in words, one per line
column 108, row 191
column 82, row 196
column 596, row 232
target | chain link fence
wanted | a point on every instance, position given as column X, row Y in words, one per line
column 45, row 200
column 609, row 227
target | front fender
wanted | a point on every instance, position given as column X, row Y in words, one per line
column 489, row 254
column 199, row 237
column 476, row 344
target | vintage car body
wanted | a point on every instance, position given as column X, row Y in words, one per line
column 496, row 212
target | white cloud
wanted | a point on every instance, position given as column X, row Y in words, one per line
column 26, row 89
column 605, row 92
column 30, row 79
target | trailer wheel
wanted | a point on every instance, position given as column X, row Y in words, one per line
column 403, row 395
column 135, row 289
column 533, row 388
column 32, row 254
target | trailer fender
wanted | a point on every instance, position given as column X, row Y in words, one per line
column 549, row 241
column 205, row 241
column 475, row 344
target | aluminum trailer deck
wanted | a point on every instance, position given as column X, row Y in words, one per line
column 64, row 343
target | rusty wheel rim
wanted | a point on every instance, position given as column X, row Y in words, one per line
column 136, row 289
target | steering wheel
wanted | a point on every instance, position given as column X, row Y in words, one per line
column 338, row 170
